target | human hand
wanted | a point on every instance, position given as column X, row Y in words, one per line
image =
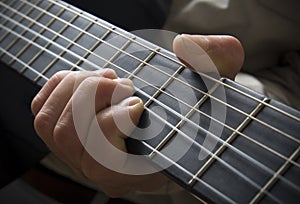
column 52, row 108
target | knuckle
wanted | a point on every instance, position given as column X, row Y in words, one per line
column 42, row 123
column 90, row 81
column 60, row 129
column 57, row 77
column 36, row 102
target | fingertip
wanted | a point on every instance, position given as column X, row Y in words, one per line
column 225, row 51
column 110, row 73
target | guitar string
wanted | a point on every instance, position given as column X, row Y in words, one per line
column 40, row 15
column 220, row 101
column 18, row 9
column 170, row 160
column 58, row 2
column 242, row 134
column 179, row 80
column 278, row 154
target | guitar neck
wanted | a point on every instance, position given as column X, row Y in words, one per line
column 219, row 140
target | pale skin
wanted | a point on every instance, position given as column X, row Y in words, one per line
column 52, row 108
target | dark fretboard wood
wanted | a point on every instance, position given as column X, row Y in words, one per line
column 256, row 157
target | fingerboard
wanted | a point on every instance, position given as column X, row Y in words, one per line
column 256, row 156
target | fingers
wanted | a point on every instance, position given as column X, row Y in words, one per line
column 53, row 82
column 46, row 90
column 51, row 101
column 226, row 53
column 92, row 96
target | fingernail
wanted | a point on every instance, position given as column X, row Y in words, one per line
column 125, row 81
column 132, row 101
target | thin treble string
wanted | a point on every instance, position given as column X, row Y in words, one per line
column 183, row 82
column 178, row 62
column 150, row 111
column 30, row 25
column 242, row 134
column 18, row 8
column 153, row 149
column 230, row 106
column 226, row 145
column 173, row 162
column 198, row 127
column 23, row 63
column 171, row 126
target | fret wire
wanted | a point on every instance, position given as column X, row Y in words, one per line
column 211, row 78
column 142, row 64
column 255, row 99
column 24, row 31
column 275, row 129
column 11, row 16
column 190, row 174
column 229, row 140
column 22, row 63
column 85, row 56
column 121, row 68
column 200, row 199
column 63, row 51
column 274, row 178
column 182, row 168
column 160, row 89
column 172, row 133
column 207, row 185
column 140, row 91
column 51, row 40
column 231, row 168
column 43, row 48
column 118, row 53
column 181, row 64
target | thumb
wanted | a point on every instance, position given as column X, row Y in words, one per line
column 225, row 52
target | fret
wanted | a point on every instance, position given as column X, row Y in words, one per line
column 88, row 53
column 118, row 53
column 242, row 117
column 285, row 113
column 103, row 55
column 50, row 41
column 25, row 31
column 282, row 145
column 249, row 96
column 63, row 52
column 142, row 64
column 172, row 133
column 164, row 86
column 180, row 63
column 229, row 140
column 21, row 5
column 21, row 62
column 274, row 178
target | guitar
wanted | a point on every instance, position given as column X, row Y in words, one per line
column 255, row 158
